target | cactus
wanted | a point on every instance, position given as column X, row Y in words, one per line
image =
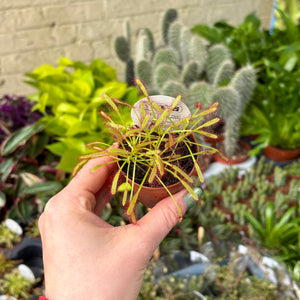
column 230, row 175
column 230, row 197
column 239, row 213
column 294, row 190
column 244, row 189
column 280, row 176
column 257, row 202
column 215, row 185
column 123, row 50
column 200, row 72
column 263, row 186
column 281, row 202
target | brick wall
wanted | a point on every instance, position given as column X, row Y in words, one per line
column 35, row 32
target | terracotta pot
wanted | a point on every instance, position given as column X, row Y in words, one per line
column 212, row 141
column 279, row 154
column 204, row 162
column 233, row 161
column 149, row 196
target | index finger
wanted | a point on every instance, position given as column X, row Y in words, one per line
column 92, row 181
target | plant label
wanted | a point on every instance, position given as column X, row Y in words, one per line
column 180, row 112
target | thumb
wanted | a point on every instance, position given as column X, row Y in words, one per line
column 164, row 216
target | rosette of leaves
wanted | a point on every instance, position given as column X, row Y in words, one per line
column 151, row 148
column 69, row 98
column 8, row 237
column 6, row 264
column 15, row 285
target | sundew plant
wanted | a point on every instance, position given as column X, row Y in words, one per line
column 151, row 147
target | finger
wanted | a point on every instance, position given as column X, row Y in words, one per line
column 162, row 218
column 87, row 180
column 104, row 195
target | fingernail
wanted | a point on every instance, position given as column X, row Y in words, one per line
column 198, row 192
column 189, row 200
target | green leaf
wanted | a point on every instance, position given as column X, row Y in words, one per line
column 20, row 137
column 2, row 199
column 69, row 159
column 65, row 107
column 6, row 167
column 43, row 187
column 57, row 148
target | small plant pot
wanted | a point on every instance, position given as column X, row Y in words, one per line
column 149, row 196
column 281, row 155
column 237, row 159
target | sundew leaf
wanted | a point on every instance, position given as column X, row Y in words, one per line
column 20, row 137
column 209, row 123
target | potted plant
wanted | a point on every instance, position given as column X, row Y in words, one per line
column 158, row 153
column 10, row 234
column 202, row 73
column 17, row 284
column 272, row 117
column 6, row 264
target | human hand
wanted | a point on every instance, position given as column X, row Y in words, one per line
column 85, row 257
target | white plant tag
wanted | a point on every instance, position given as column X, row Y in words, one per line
column 13, row 226
column 180, row 112
column 26, row 272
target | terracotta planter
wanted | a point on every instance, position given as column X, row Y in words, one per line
column 149, row 196
column 279, row 154
column 232, row 160
column 212, row 141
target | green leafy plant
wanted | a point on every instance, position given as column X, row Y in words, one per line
column 148, row 151
column 32, row 229
column 8, row 238
column 6, row 264
column 69, row 96
column 28, row 176
column 14, row 284
column 275, row 55
column 273, row 232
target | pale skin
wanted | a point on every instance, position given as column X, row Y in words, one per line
column 85, row 257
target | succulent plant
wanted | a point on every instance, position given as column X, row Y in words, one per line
column 200, row 72
column 230, row 197
column 8, row 238
column 280, row 176
column 230, row 175
column 239, row 213
column 244, row 189
column 263, row 186
column 6, row 264
column 14, row 284
column 294, row 189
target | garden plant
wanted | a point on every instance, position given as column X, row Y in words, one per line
column 158, row 151
column 202, row 74
column 275, row 56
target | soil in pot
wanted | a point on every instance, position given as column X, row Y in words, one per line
column 153, row 192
